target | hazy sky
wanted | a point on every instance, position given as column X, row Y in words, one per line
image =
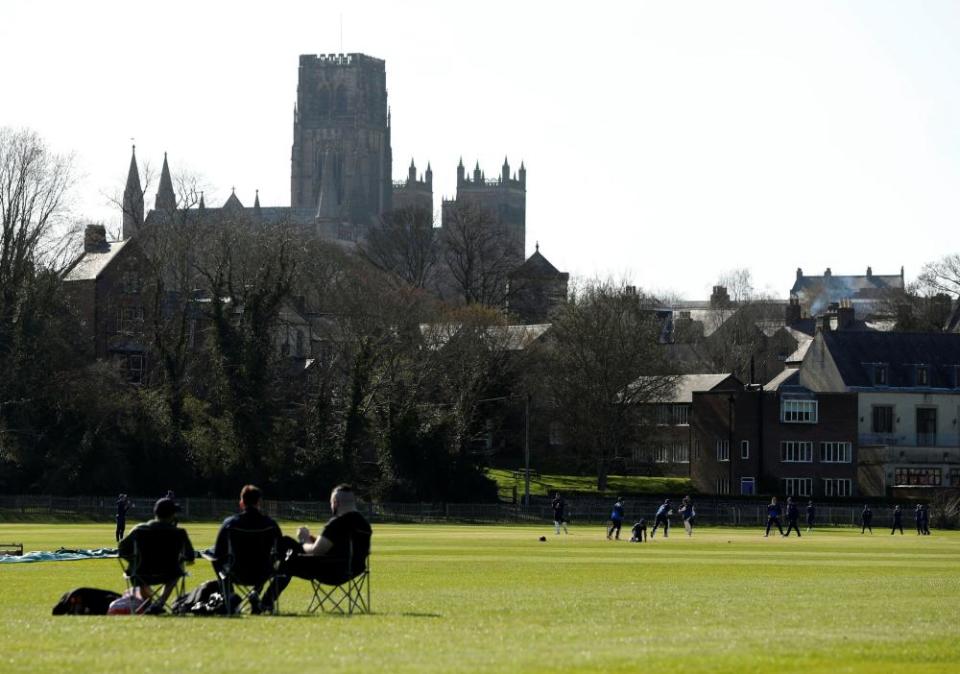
column 667, row 140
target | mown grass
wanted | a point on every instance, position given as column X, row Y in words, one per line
column 494, row 599
column 547, row 484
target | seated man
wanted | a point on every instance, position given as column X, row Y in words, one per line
column 176, row 543
column 248, row 519
column 327, row 558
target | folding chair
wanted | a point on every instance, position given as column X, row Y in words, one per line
column 251, row 563
column 156, row 567
column 352, row 594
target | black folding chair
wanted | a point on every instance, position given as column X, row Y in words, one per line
column 156, row 567
column 349, row 592
column 251, row 563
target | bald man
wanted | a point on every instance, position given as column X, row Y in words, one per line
column 327, row 557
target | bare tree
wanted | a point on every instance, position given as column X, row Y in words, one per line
column 33, row 186
column 941, row 276
column 605, row 361
column 404, row 244
column 739, row 284
column 477, row 254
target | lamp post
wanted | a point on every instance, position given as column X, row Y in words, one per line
column 526, row 451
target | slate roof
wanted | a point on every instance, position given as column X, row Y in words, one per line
column 687, row 384
column 857, row 355
column 844, row 287
column 91, row 264
column 789, row 377
column 537, row 266
column 268, row 214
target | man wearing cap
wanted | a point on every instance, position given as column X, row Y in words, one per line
column 164, row 517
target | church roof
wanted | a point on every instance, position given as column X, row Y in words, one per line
column 232, row 203
column 536, row 266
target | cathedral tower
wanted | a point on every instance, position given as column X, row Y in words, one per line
column 342, row 112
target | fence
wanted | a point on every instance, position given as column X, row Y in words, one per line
column 581, row 511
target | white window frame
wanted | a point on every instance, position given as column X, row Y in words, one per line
column 681, row 415
column 797, row 486
column 836, row 452
column 723, row 451
column 723, row 485
column 752, row 481
column 661, row 454
column 798, row 411
column 837, row 486
column 681, row 452
column 744, row 449
column 796, row 451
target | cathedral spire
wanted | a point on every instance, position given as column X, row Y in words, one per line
column 505, row 170
column 412, row 172
column 201, row 205
column 166, row 200
column 132, row 199
column 256, row 204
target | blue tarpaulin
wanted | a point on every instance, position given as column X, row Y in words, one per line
column 61, row 555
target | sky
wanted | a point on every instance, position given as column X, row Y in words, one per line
column 666, row 142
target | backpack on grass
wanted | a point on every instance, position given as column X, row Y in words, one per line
column 204, row 599
column 85, row 601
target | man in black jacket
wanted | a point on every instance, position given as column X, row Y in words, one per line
column 338, row 554
column 793, row 514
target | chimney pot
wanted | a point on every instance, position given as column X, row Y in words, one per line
column 94, row 238
column 828, row 272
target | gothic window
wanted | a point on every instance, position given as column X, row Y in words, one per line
column 323, row 101
column 341, row 102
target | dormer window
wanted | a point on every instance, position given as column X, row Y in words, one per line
column 880, row 375
column 923, row 375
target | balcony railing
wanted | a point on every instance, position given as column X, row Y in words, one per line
column 946, row 440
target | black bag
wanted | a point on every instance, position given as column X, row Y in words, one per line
column 85, row 601
column 204, row 599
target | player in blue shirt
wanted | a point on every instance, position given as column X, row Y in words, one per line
column 925, row 519
column 866, row 518
column 897, row 521
column 811, row 515
column 773, row 517
column 616, row 519
column 663, row 512
column 793, row 514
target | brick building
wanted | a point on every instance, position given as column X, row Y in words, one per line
column 791, row 441
column 105, row 286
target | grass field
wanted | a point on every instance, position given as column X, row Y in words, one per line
column 548, row 483
column 494, row 599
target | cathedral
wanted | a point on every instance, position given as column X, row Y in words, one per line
column 341, row 178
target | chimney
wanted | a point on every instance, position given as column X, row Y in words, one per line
column 799, row 273
column 828, row 273
column 825, row 322
column 792, row 313
column 845, row 315
column 869, row 272
column 719, row 297
column 94, row 238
